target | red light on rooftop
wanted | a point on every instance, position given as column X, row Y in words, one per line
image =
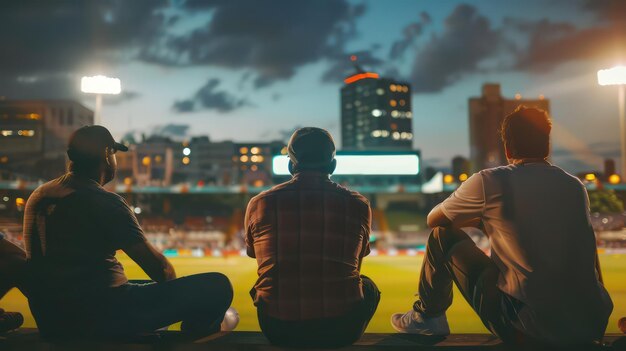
column 353, row 58
column 360, row 76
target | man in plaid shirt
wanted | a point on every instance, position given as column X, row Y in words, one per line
column 309, row 236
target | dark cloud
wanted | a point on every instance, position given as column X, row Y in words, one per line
column 184, row 105
column 42, row 86
column 467, row 39
column 208, row 97
column 171, row 130
column 552, row 43
column 612, row 10
column 409, row 34
column 47, row 45
column 271, row 38
column 52, row 36
column 341, row 65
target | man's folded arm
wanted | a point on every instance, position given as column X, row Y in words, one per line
column 127, row 235
column 463, row 208
column 156, row 266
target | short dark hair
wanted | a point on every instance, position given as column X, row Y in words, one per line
column 311, row 148
column 526, row 133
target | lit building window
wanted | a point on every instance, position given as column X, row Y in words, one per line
column 394, row 114
column 253, row 158
column 146, row 161
column 518, row 96
column 392, row 87
column 186, row 160
column 259, row 158
column 158, row 158
column 402, row 102
column 376, row 133
column 384, row 133
column 409, row 114
column 4, row 159
column 393, row 103
column 377, row 113
column 380, row 91
column 357, row 103
column 254, row 168
column 186, row 151
column 7, row 132
column 243, row 158
column 395, row 135
column 243, row 150
column 405, row 89
column 258, row 183
column 255, row 150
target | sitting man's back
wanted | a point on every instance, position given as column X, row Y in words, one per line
column 309, row 236
column 77, row 288
column 542, row 281
column 537, row 219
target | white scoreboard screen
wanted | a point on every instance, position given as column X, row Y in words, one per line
column 376, row 164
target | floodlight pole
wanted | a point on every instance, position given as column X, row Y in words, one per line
column 621, row 103
column 97, row 119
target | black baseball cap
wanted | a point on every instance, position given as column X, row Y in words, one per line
column 311, row 147
column 89, row 142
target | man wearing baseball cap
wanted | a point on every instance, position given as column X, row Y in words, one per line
column 72, row 230
column 309, row 236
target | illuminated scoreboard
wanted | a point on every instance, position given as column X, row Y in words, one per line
column 363, row 164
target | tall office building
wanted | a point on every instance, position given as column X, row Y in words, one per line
column 375, row 113
column 486, row 114
column 34, row 135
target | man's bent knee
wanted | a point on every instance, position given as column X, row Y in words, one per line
column 446, row 237
column 218, row 286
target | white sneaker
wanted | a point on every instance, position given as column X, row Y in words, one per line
column 413, row 322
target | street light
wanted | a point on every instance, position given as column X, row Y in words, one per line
column 100, row 85
column 617, row 76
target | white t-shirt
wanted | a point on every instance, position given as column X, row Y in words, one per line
column 537, row 219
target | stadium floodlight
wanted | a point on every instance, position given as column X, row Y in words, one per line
column 100, row 85
column 392, row 164
column 617, row 76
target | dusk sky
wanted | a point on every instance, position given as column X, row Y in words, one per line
column 254, row 70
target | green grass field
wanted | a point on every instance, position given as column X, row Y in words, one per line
column 396, row 277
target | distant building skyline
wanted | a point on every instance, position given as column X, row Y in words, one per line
column 376, row 113
column 486, row 114
column 34, row 134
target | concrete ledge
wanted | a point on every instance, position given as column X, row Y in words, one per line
column 28, row 339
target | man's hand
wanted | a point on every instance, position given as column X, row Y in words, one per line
column 151, row 261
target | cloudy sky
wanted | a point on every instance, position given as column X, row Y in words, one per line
column 254, row 70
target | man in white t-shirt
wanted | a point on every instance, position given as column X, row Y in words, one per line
column 542, row 281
